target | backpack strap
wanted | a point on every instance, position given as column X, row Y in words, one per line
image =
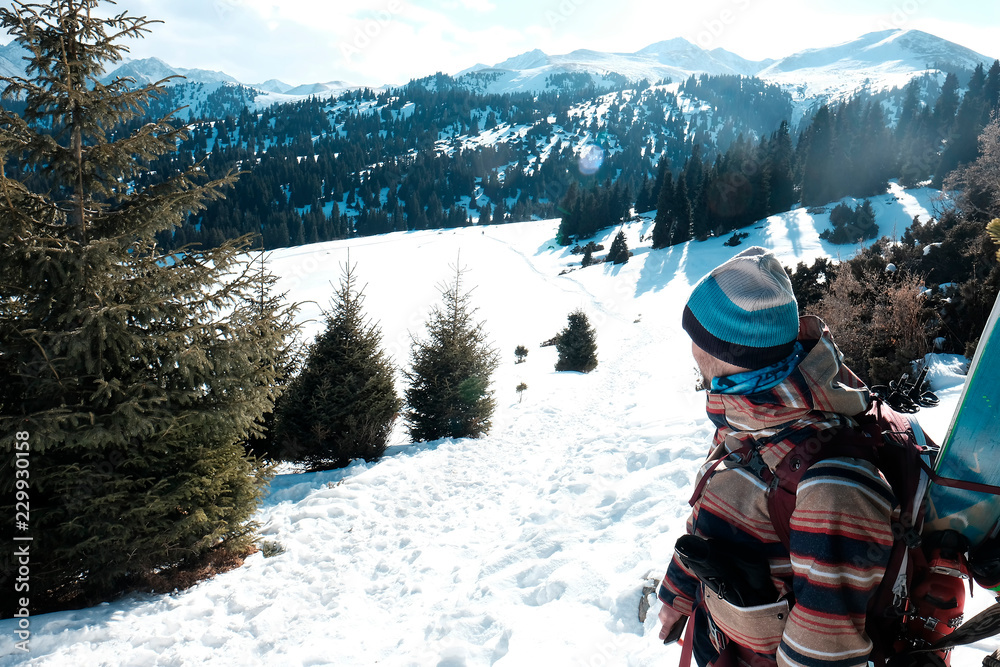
column 783, row 482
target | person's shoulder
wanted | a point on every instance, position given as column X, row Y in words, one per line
column 846, row 476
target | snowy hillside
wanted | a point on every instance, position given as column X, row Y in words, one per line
column 528, row 547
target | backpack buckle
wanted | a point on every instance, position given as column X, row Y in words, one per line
column 912, row 538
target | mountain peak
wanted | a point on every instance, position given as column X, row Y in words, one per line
column 527, row 60
column 668, row 44
column 896, row 49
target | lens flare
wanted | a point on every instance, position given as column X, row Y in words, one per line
column 591, row 159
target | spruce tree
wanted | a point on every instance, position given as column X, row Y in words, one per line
column 618, row 254
column 577, row 345
column 817, row 164
column 343, row 404
column 782, row 179
column 521, row 352
column 681, row 230
column 664, row 207
column 662, row 230
column 449, row 392
column 569, row 226
column 137, row 374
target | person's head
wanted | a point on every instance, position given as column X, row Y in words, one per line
column 743, row 315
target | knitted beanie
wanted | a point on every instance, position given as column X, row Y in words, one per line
column 744, row 312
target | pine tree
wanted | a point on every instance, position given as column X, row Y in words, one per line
column 962, row 146
column 664, row 203
column 521, row 352
column 577, row 345
column 782, row 178
column 343, row 404
column 661, row 231
column 618, row 254
column 569, row 226
column 450, row 374
column 817, row 166
column 946, row 105
column 261, row 442
column 138, row 374
column 681, row 230
column 701, row 221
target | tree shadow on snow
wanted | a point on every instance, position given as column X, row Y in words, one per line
column 662, row 267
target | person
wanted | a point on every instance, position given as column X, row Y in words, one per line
column 775, row 379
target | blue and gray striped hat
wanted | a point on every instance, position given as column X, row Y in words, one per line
column 744, row 312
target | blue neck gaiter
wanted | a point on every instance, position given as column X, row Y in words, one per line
column 762, row 379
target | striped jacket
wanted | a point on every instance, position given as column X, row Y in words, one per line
column 840, row 528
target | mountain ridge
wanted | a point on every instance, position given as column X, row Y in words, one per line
column 876, row 60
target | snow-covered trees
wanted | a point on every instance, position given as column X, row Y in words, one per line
column 137, row 374
column 577, row 345
column 343, row 404
column 449, row 394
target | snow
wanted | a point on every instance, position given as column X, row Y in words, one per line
column 527, row 547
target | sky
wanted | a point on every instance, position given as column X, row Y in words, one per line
column 376, row 42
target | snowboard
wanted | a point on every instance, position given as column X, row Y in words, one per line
column 971, row 450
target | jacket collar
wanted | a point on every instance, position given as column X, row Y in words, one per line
column 821, row 392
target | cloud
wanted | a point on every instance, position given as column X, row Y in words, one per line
column 479, row 5
column 391, row 41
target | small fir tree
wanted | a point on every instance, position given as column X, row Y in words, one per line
column 521, row 352
column 137, row 374
column 521, row 388
column 449, row 378
column 343, row 404
column 662, row 230
column 618, row 254
column 261, row 442
column 577, row 345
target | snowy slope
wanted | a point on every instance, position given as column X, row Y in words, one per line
column 528, row 547
column 12, row 59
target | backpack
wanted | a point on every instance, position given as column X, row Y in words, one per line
column 921, row 597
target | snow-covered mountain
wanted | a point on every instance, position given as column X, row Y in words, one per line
column 11, row 60
column 671, row 59
column 326, row 89
column 272, row 86
column 150, row 70
column 878, row 60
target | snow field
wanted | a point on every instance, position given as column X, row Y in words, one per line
column 527, row 547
